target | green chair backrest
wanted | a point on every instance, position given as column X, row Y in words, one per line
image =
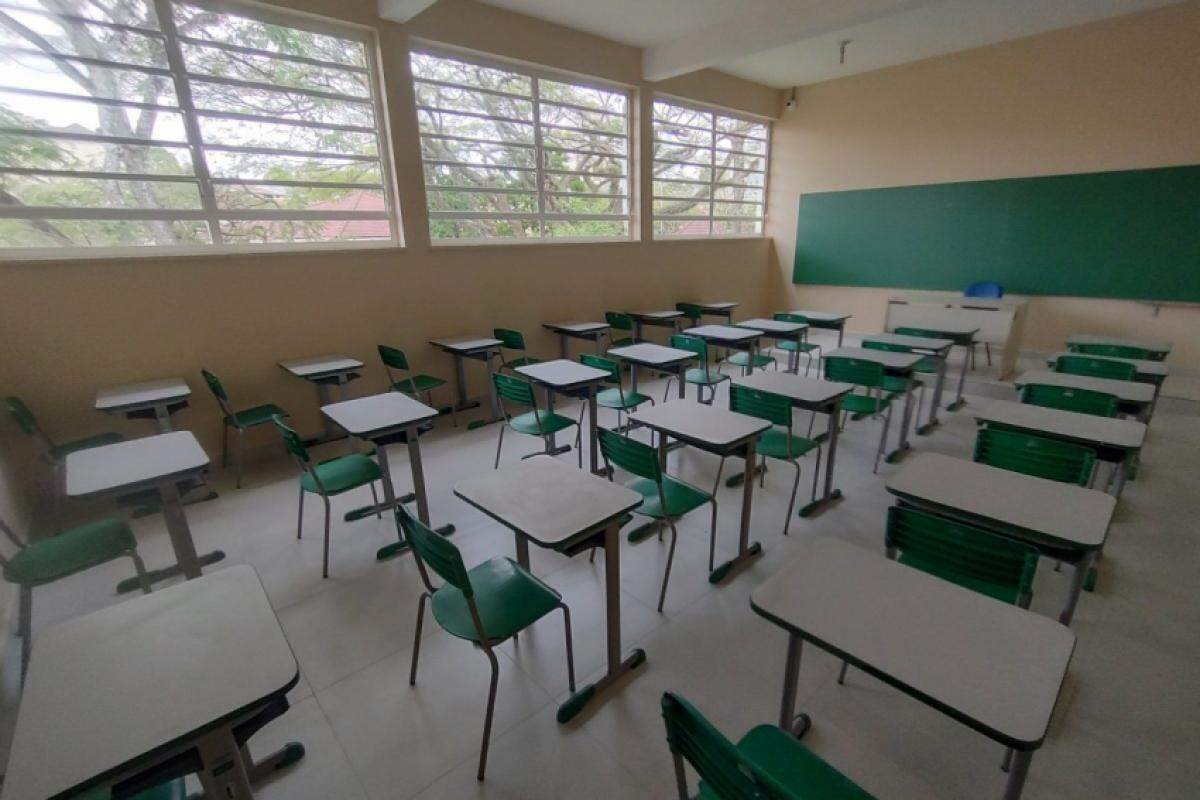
column 630, row 455
column 618, row 321
column 774, row 408
column 924, row 333
column 514, row 389
column 1114, row 350
column 888, row 346
column 214, row 385
column 854, row 370
column 600, row 362
column 795, row 319
column 1067, row 398
column 291, row 440
column 1095, row 367
column 724, row 771
column 962, row 553
column 22, row 415
column 513, row 340
column 435, row 551
column 1035, row 455
column 692, row 344
column 394, row 358
column 690, row 310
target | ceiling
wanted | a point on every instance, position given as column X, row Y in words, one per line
column 794, row 42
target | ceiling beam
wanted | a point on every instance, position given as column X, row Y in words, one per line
column 763, row 26
column 402, row 10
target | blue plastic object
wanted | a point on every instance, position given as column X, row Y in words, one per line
column 988, row 289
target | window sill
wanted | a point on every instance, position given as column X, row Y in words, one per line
column 475, row 244
column 152, row 253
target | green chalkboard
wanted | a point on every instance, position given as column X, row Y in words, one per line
column 1132, row 234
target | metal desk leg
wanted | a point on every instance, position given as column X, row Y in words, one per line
column 554, row 448
column 633, row 377
column 187, row 563
column 903, row 446
column 462, row 403
column 612, row 602
column 831, row 495
column 223, row 773
column 938, row 387
column 962, row 379
column 746, row 550
column 841, row 329
column 486, row 357
column 163, row 418
column 593, row 441
column 1017, row 773
column 637, row 330
column 418, row 478
column 797, row 725
column 563, row 348
column 1082, row 567
column 648, row 529
column 1121, row 474
column 681, row 382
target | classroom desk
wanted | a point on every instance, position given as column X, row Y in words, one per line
column 730, row 337
column 564, row 509
column 476, row 348
column 1158, row 348
column 900, row 365
column 119, row 691
column 717, row 308
column 655, row 357
column 588, row 331
column 714, row 430
column 325, row 372
column 1133, row 396
column 781, row 331
column 657, row 319
column 1115, row 440
column 382, row 420
column 159, row 463
column 963, row 335
column 574, row 380
column 825, row 320
column 1063, row 521
column 815, row 395
column 937, row 348
column 994, row 667
column 156, row 399
column 1146, row 371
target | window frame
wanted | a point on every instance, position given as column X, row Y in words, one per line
column 182, row 81
column 535, row 73
column 712, row 184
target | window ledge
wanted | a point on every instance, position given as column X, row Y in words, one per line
column 152, row 253
column 475, row 244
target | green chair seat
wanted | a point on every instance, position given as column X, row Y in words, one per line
column 614, row 398
column 61, row 451
column 861, row 404
column 793, row 766
column 699, row 377
column 418, row 384
column 796, row 347
column 69, row 552
column 773, row 443
column 342, row 474
column 742, row 359
column 509, row 600
column 550, row 423
column 681, row 497
column 251, row 417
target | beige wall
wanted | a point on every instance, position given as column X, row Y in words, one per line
column 71, row 327
column 1118, row 94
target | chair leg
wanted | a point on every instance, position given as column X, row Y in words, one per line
column 987, row 349
column 325, row 559
column 237, row 458
column 300, row 515
column 762, row 472
column 412, row 672
column 1007, row 762
column 887, row 422
column 139, row 567
column 375, row 501
column 816, row 473
column 499, row 444
column 667, row 391
column 712, row 536
column 56, row 496
column 579, row 424
column 842, row 673
column 491, row 705
column 717, row 482
column 662, row 595
column 787, row 521
column 25, row 627
column 224, row 444
column 680, row 776
column 570, row 647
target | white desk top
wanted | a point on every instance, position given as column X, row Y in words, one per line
column 146, row 393
column 576, row 327
column 644, row 315
column 918, row 342
column 991, row 665
column 1142, row 366
column 652, row 354
column 1062, row 511
column 801, row 389
column 770, row 326
column 1127, row 391
column 1125, row 434
column 821, row 316
column 699, row 424
column 888, row 358
column 718, row 305
column 320, row 365
column 107, row 688
column 723, row 333
column 466, row 344
column 562, row 373
column 378, row 413
column 943, row 326
column 548, row 501
column 1154, row 345
column 125, row 465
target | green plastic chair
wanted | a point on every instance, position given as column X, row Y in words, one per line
column 803, row 346
column 328, row 479
column 416, row 386
column 777, row 442
column 664, row 498
column 1035, row 455
column 239, row 421
column 1115, row 351
column 171, row 790
column 54, row 454
column 768, row 763
column 618, row 321
column 617, row 399
column 741, row 358
column 513, row 340
column 1095, row 367
column 868, row 375
column 1083, row 401
column 895, row 385
column 701, row 377
column 535, row 422
column 486, row 605
column 691, row 312
column 60, row 556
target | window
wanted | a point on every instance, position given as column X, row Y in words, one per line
column 510, row 155
column 183, row 125
column 710, row 172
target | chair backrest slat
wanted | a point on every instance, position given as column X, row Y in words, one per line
column 774, row 408
column 435, row 551
column 600, row 362
column 514, row 389
column 630, row 455
column 1067, row 398
column 854, row 370
column 1114, row 350
column 724, row 771
column 693, row 344
column 1035, row 455
column 1095, row 367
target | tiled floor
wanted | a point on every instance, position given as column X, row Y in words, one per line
column 1126, row 726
